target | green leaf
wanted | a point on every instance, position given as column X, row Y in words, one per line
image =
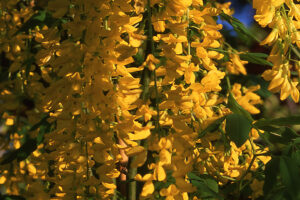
column 211, row 183
column 297, row 140
column 229, row 188
column 20, row 154
column 207, row 187
column 271, row 172
column 290, row 173
column 272, row 129
column 256, row 58
column 212, row 127
column 288, row 134
column 8, row 157
column 219, row 50
column 238, row 26
column 258, row 55
column 40, row 16
column 277, row 194
column 237, row 109
column 44, row 128
column 296, row 157
column 26, row 149
column 30, row 144
column 39, row 19
column 11, row 197
column 237, row 128
column 284, row 121
column 193, row 176
column 282, row 135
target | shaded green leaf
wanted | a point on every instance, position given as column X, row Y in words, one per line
column 212, row 127
column 204, row 191
column 282, row 135
column 290, row 173
column 296, row 157
column 271, row 172
column 29, row 145
column 219, row 50
column 39, row 19
column 237, row 128
column 238, row 26
column 297, row 140
column 9, row 157
column 40, row 16
column 211, row 183
column 256, row 58
column 283, row 121
column 20, row 154
column 11, row 197
column 258, row 55
column 193, row 176
column 289, row 134
column 26, row 149
column 205, row 183
column 44, row 128
column 272, row 129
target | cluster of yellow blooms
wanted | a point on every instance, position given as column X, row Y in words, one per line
column 127, row 80
column 283, row 17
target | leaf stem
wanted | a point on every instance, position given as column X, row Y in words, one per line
column 151, row 44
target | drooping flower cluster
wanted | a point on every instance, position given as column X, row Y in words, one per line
column 124, row 89
column 283, row 18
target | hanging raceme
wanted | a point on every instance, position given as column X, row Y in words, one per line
column 281, row 16
column 128, row 99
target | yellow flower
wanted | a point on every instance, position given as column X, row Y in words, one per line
column 178, row 7
column 188, row 70
column 169, row 192
column 265, row 10
column 148, row 187
column 150, row 62
column 2, row 180
column 285, row 89
column 159, row 172
column 165, row 157
column 271, row 38
column 135, row 40
column 211, row 82
column 247, row 99
column 9, row 121
column 295, row 92
column 236, row 66
column 159, row 25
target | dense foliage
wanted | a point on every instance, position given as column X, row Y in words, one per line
column 145, row 99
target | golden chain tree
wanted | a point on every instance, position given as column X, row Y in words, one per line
column 115, row 99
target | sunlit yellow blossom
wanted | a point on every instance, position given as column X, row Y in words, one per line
column 247, row 98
